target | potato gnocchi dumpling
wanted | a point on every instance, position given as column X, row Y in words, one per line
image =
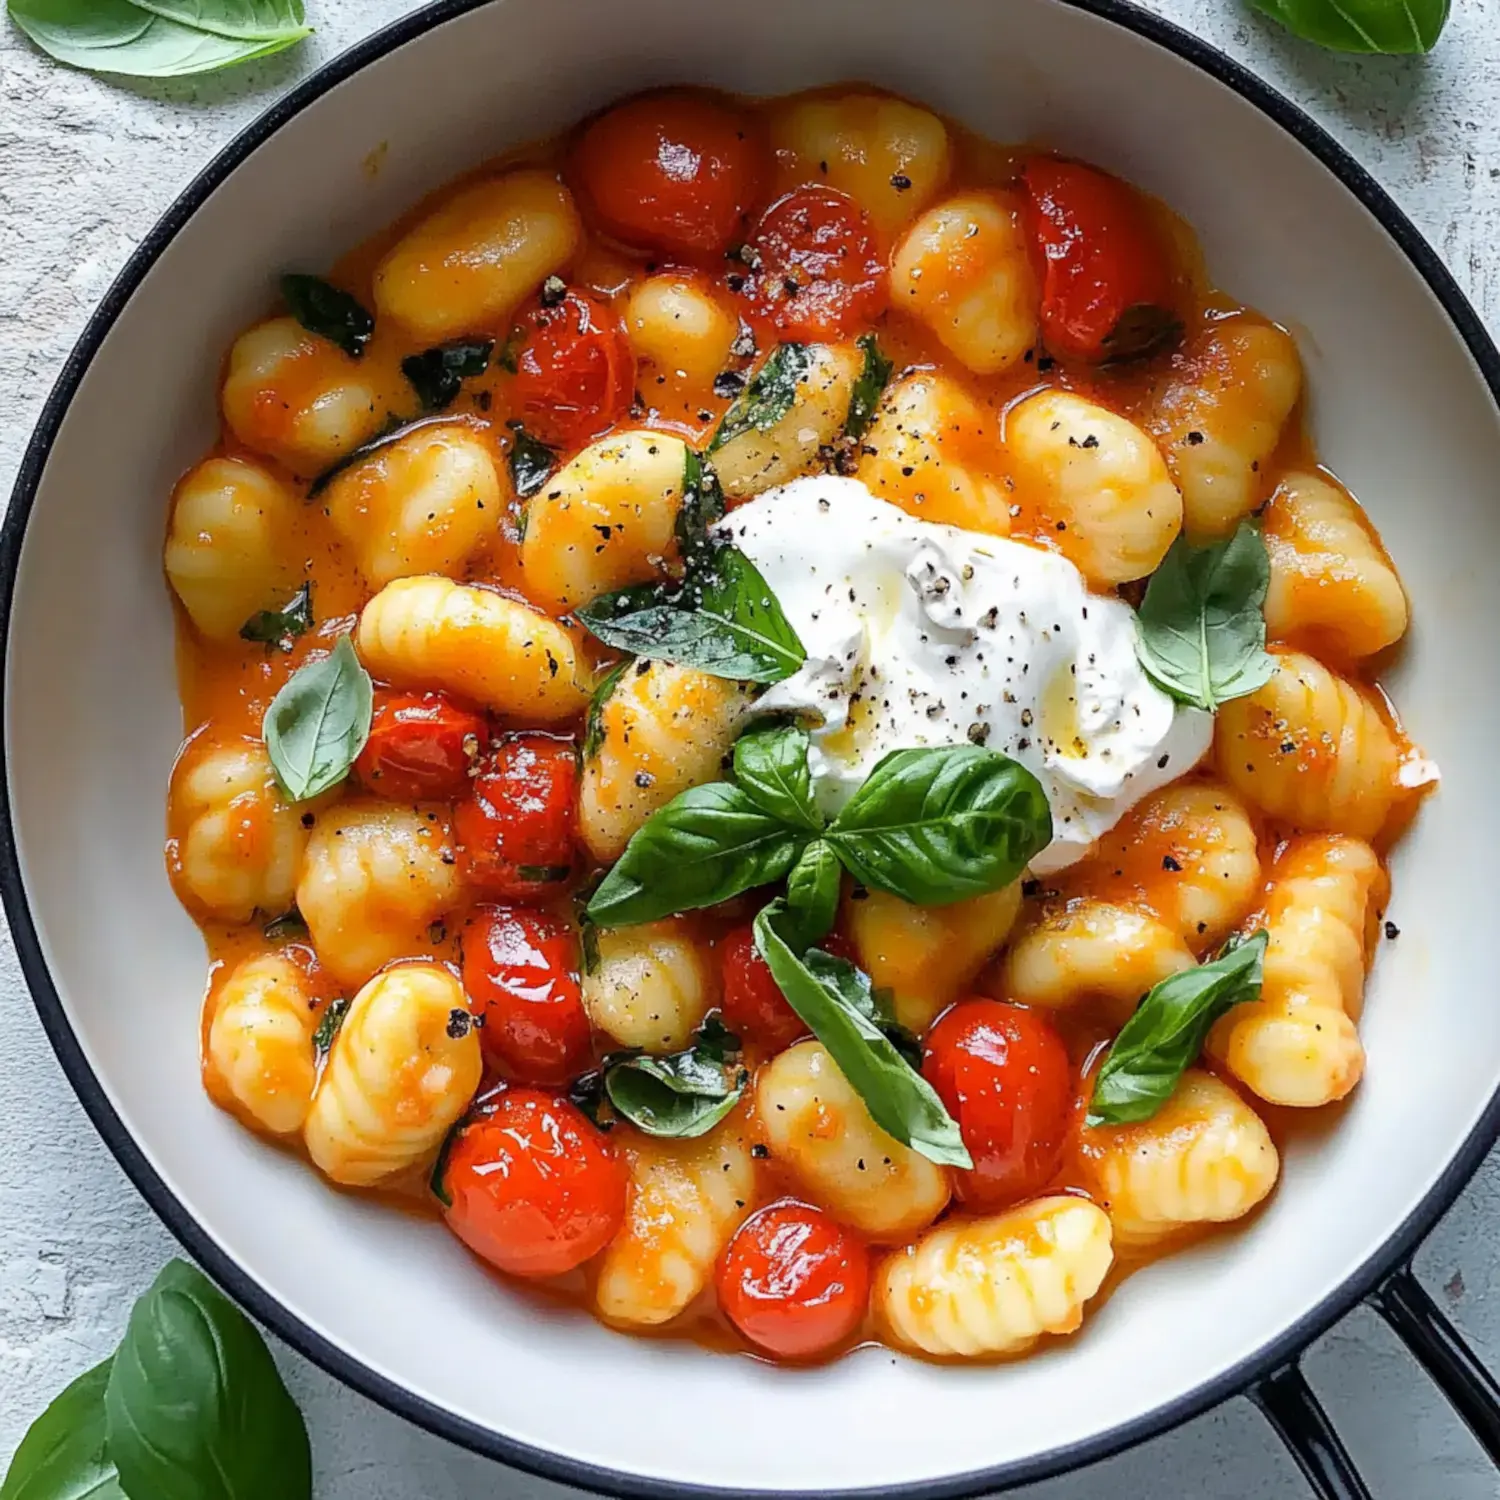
column 260, row 1044
column 403, row 1068
column 996, row 1285
column 679, row 326
column 650, row 987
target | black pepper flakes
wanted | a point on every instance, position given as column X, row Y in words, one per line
column 1392, row 931
column 459, row 1022
column 901, row 182
column 1168, row 863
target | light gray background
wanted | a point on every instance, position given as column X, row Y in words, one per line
column 86, row 167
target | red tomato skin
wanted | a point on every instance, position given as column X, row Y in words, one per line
column 422, row 747
column 575, row 370
column 533, row 1188
column 515, row 830
column 794, row 1281
column 815, row 268
column 1003, row 1073
column 751, row 1004
column 676, row 172
column 1098, row 258
column 520, row 971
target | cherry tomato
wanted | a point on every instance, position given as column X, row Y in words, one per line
column 421, row 748
column 515, row 831
column 794, row 1281
column 752, row 1004
column 814, row 268
column 1004, row 1075
column 531, row 1186
column 575, row 372
column 1106, row 276
column 671, row 171
column 521, row 976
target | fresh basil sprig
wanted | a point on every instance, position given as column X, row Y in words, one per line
column 769, row 395
column 770, row 766
column 1165, row 1035
column 64, row 1455
column 437, row 374
column 870, row 383
column 280, row 627
column 1391, row 26
column 812, row 892
column 684, row 1094
column 531, row 461
column 330, row 312
column 319, row 722
column 1201, row 633
column 834, row 999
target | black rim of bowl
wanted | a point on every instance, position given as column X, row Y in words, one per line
column 1394, row 1251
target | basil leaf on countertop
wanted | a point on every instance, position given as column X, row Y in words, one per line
column 707, row 844
column 319, row 722
column 531, row 462
column 437, row 374
column 1389, row 26
column 684, row 1094
column 812, row 894
column 1165, row 1035
column 194, row 1406
column 1201, row 633
column 702, row 506
column 835, row 1001
column 329, row 311
column 593, row 719
column 63, row 1455
column 869, row 385
column 939, row 825
column 162, row 39
column 768, row 397
column 723, row 620
column 770, row 767
column 280, row 627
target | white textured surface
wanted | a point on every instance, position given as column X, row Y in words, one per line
column 85, row 169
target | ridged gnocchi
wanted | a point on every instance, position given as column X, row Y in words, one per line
column 686, row 1198
column 375, row 876
column 819, row 1130
column 996, row 1285
column 606, row 519
column 432, row 632
column 964, row 269
column 473, row 261
column 260, row 1042
column 651, row 986
column 404, row 1066
column 1310, row 748
column 1096, row 482
column 1298, row 1044
column 677, row 324
column 1205, row 1157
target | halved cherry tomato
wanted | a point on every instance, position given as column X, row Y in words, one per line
column 1106, row 276
column 521, row 976
column 794, row 1281
column 671, row 171
column 515, row 831
column 751, row 1003
column 815, row 270
column 1004, row 1075
column 421, row 748
column 531, row 1186
column 575, row 372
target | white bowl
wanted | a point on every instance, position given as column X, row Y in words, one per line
column 1403, row 407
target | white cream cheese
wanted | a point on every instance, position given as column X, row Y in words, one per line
column 919, row 634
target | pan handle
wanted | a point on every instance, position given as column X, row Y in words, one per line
column 1288, row 1404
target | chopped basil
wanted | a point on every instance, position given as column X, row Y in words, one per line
column 588, row 1095
column 328, row 1027
column 593, row 719
column 280, row 627
column 531, row 462
column 543, row 874
column 868, row 387
column 329, row 312
column 289, row 925
column 393, row 431
column 1141, row 331
column 437, row 374
column 318, row 723
column 702, row 505
column 768, row 397
column 683, row 1094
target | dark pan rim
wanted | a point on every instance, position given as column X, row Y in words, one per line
column 1393, row 1252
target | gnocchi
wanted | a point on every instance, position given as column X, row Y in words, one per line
column 649, row 987
column 260, row 1044
column 677, row 325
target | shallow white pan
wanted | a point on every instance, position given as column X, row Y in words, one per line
column 1404, row 387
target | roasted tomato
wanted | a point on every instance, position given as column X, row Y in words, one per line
column 521, row 976
column 422, row 747
column 515, row 831
column 671, row 171
column 1004, row 1075
column 1106, row 276
column 794, row 1281
column 575, row 372
column 813, row 268
column 531, row 1186
column 752, row 1004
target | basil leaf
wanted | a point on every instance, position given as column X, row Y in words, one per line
column 1165, row 1035
column 394, row 430
column 868, row 387
column 329, row 1025
column 162, row 39
column 683, row 1094
column 768, row 397
column 587, row 1094
column 1393, row 26
column 940, row 825
column 330, row 312
column 812, row 893
column 770, row 767
column 834, row 999
column 437, row 374
column 531, row 462
column 288, row 925
column 1142, row 330
column 280, row 627
column 593, row 720
column 194, row 1407
column 318, row 723
column 1201, row 633
column 702, row 505
column 707, row 844
column 723, row 620
column 62, row 1456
